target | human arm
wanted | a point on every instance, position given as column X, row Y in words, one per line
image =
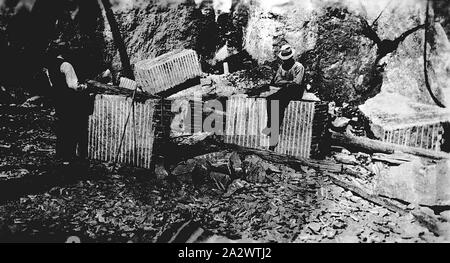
column 278, row 80
column 298, row 73
column 71, row 76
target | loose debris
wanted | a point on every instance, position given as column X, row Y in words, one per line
column 235, row 193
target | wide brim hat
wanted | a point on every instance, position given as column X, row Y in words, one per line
column 286, row 52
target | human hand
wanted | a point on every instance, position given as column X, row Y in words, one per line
column 81, row 87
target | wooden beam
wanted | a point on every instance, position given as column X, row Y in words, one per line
column 100, row 88
column 293, row 162
column 374, row 146
column 118, row 40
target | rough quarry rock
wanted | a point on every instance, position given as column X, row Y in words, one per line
column 419, row 182
column 235, row 164
column 340, row 122
column 201, row 172
column 404, row 68
column 220, row 180
column 235, row 186
column 152, row 28
column 445, row 215
column 345, row 158
column 330, row 38
column 342, row 60
column 184, row 168
column 254, row 169
column 338, row 59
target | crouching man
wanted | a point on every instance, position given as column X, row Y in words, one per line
column 288, row 79
column 73, row 105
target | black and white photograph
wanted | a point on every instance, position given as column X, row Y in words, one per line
column 243, row 123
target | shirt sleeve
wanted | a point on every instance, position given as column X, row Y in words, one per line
column 278, row 76
column 299, row 71
column 71, row 76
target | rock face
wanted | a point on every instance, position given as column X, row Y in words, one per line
column 404, row 69
column 341, row 57
column 347, row 46
column 338, row 58
column 28, row 29
column 151, row 29
column 418, row 182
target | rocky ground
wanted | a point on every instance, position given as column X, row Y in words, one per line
column 232, row 195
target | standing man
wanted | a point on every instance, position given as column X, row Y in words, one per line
column 288, row 78
column 73, row 106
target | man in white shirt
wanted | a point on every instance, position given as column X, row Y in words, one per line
column 73, row 106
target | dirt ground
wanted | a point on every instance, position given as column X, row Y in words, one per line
column 40, row 202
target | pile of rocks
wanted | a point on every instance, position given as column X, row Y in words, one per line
column 224, row 171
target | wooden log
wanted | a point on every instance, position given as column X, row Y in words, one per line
column 374, row 146
column 187, row 147
column 293, row 162
column 100, row 88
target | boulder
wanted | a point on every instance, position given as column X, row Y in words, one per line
column 445, row 215
column 342, row 61
column 254, row 169
column 184, row 168
column 235, row 164
column 220, row 180
column 160, row 172
column 346, row 158
column 235, row 186
column 340, row 122
column 221, row 166
column 200, row 174
column 419, row 182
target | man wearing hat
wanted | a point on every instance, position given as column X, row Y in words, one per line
column 288, row 78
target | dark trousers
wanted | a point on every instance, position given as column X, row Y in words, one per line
column 72, row 111
column 284, row 96
column 72, row 137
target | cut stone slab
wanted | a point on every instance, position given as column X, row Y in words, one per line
column 167, row 71
column 399, row 120
column 301, row 134
column 419, row 182
column 106, row 134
